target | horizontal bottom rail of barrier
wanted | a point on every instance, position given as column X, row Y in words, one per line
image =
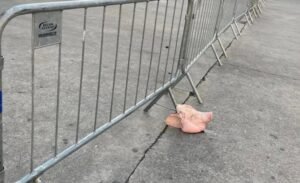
column 65, row 153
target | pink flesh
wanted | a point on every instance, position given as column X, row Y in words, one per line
column 189, row 119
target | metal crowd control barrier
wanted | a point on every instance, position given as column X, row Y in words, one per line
column 206, row 22
column 158, row 40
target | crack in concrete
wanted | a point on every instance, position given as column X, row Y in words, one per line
column 145, row 152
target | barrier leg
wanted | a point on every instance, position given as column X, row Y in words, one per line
column 235, row 35
column 254, row 12
column 247, row 18
column 216, row 54
column 194, row 88
column 257, row 11
column 259, row 8
column 237, row 27
column 221, row 45
column 154, row 101
column 250, row 16
column 172, row 96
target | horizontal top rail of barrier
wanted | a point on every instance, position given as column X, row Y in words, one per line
column 57, row 6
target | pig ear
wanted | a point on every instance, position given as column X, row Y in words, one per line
column 208, row 116
column 173, row 120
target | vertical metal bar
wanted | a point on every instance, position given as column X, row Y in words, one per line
column 116, row 62
column 219, row 16
column 32, row 98
column 234, row 15
column 1, row 121
column 161, row 44
column 202, row 31
column 177, row 37
column 216, row 54
column 141, row 54
column 182, row 54
column 203, row 24
column 235, row 9
column 57, row 99
column 195, row 29
column 81, row 74
column 152, row 48
column 170, row 42
column 100, row 67
column 186, row 36
column 207, row 23
column 199, row 37
column 129, row 57
column 189, row 77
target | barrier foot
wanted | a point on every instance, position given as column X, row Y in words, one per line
column 194, row 88
column 221, row 45
column 216, row 54
column 37, row 180
column 172, row 96
column 156, row 99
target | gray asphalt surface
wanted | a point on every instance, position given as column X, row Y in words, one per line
column 255, row 98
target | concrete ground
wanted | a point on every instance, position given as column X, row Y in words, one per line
column 256, row 101
column 254, row 136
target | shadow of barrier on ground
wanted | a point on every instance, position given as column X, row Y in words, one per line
column 115, row 58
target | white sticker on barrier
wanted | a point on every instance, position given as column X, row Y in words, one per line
column 46, row 28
